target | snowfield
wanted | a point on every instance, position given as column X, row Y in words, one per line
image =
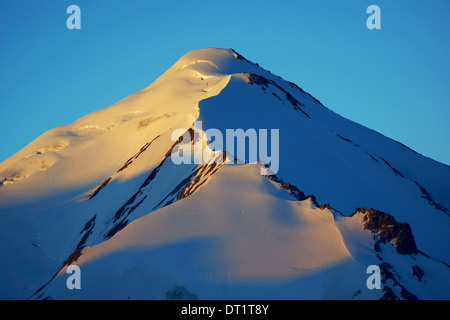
column 104, row 194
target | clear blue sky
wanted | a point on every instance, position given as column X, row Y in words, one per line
column 395, row 80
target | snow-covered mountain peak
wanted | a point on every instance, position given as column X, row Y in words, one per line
column 226, row 61
column 209, row 63
column 84, row 186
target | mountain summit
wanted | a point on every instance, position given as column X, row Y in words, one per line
column 105, row 194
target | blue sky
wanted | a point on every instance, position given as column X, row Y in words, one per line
column 395, row 80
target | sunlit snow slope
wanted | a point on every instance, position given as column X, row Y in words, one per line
column 103, row 193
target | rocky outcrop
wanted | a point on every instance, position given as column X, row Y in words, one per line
column 264, row 83
column 293, row 190
column 430, row 200
column 388, row 274
column 120, row 218
column 387, row 229
column 238, row 56
column 199, row 177
column 398, row 173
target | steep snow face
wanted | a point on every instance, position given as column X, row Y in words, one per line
column 83, row 184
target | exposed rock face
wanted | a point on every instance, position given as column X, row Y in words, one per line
column 237, row 55
column 265, row 83
column 431, row 201
column 199, row 177
column 387, row 229
column 298, row 194
column 293, row 190
column 418, row 272
column 388, row 273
